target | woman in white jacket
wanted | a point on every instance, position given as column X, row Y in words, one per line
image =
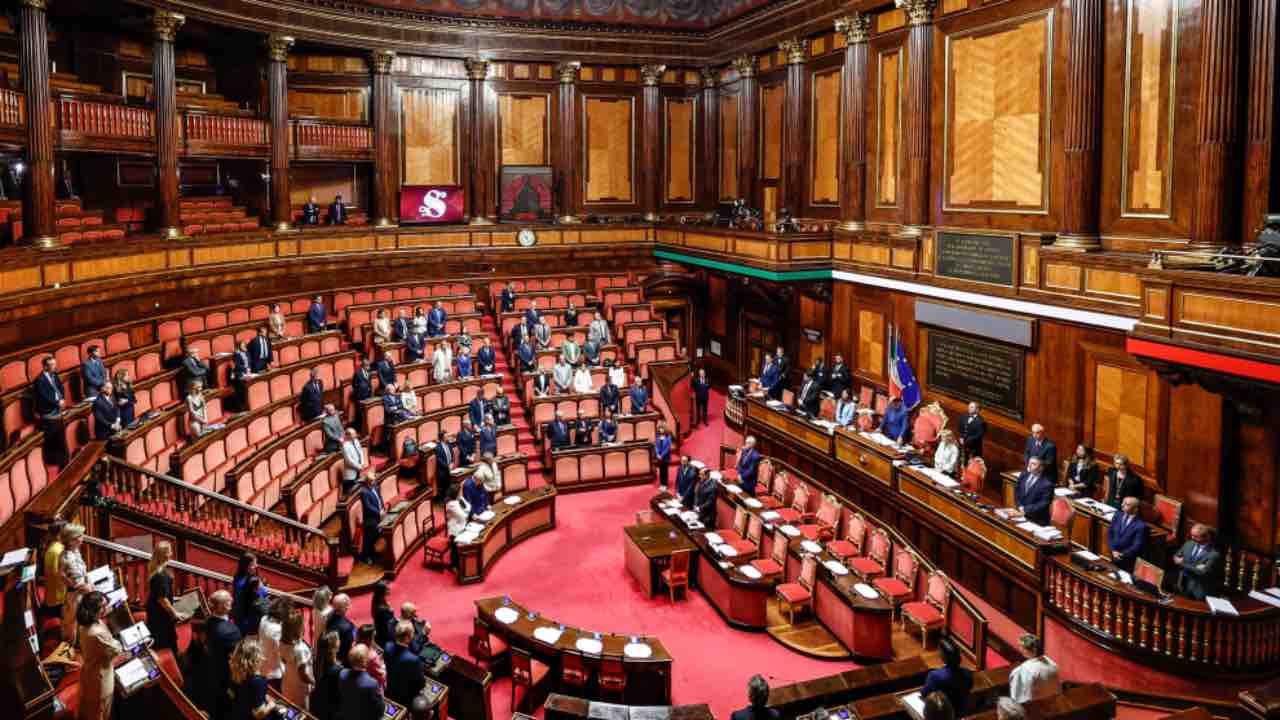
column 456, row 513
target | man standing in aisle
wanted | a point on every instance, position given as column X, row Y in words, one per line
column 701, row 396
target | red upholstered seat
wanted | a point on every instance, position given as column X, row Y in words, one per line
column 789, row 515
column 922, row 612
column 866, row 567
column 799, row 594
column 776, row 563
column 743, row 547
column 931, row 612
column 892, row 587
column 841, row 548
column 766, row 566
column 793, row 592
column 877, row 557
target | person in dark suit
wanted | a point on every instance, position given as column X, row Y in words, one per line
column 532, row 317
column 686, row 476
column 704, row 499
column 93, row 372
column 1122, row 482
column 808, row 400
column 361, row 382
column 475, row 494
column 415, row 347
column 508, row 298
column 338, row 622
column 608, row 428
column 405, row 670
column 1127, row 535
column 317, row 315
column 402, row 327
column 393, row 410
column 701, row 395
column 193, row 370
column 582, row 432
column 591, row 352
column 106, row 415
column 310, row 212
column 1034, row 493
column 361, row 695
column 748, row 465
column 1082, row 472
column 610, row 396
column 221, row 638
column 770, row 379
column 466, row 442
column 486, row 358
column 541, row 384
column 446, row 459
column 758, row 695
column 385, row 368
column 475, row 410
column 972, row 429
column 311, row 401
column 1042, row 448
column 839, row 378
column 50, row 396
column 819, row 372
column 487, row 437
column 639, row 397
column 518, row 334
column 436, row 320
column 501, row 409
column 371, row 509
column 241, row 365
column 952, row 679
column 558, row 432
column 527, row 356
column 1200, row 563
column 337, row 211
column 260, row 354
column 662, row 455
column 571, row 315
column 125, row 396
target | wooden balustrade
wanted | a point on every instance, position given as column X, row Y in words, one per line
column 223, row 130
column 332, row 135
column 80, row 117
column 1177, row 631
column 216, row 518
column 13, row 108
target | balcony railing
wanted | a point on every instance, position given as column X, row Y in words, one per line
column 329, row 135
column 13, row 109
column 93, row 119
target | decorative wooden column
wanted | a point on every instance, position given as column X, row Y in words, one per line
column 39, row 222
column 853, row 115
column 1083, row 136
column 748, row 127
column 1213, row 223
column 651, row 171
column 795, row 153
column 1261, row 112
column 483, row 166
column 385, row 187
column 710, row 138
column 278, row 101
column 916, row 115
column 567, row 147
column 164, row 89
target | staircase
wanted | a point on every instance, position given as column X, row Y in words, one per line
column 525, row 441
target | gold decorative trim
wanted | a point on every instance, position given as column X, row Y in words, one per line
column 568, row 72
column 745, row 65
column 651, row 75
column 710, row 78
column 856, row 28
column 919, row 12
column 477, row 68
column 36, row 4
column 381, row 61
column 796, row 50
column 278, row 47
column 165, row 24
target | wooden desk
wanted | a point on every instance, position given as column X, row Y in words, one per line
column 987, row 686
column 594, row 467
column 803, row 430
column 1085, row 702
column 564, row 707
column 846, row 687
column 511, row 524
column 648, row 548
column 468, row 686
column 648, row 679
column 857, row 451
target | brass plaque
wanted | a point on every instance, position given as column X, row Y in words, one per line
column 979, row 258
column 967, row 368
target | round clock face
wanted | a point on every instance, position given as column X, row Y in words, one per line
column 527, row 238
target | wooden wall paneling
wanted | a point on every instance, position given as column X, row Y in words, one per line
column 609, row 149
column 1213, row 220
column 1261, row 98
column 887, row 74
column 729, row 146
column 347, row 104
column 323, row 181
column 773, row 94
column 431, row 121
column 796, row 121
column 1257, row 485
column 869, row 356
column 748, row 129
column 1195, row 471
column 1123, row 403
column 680, row 174
column 814, row 314
column 842, row 322
column 709, row 141
column 825, row 138
column 524, row 128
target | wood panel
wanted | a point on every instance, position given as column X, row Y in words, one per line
column 609, row 147
column 523, row 129
column 680, row 143
column 1120, row 410
column 771, row 101
column 997, row 115
column 888, row 150
column 871, row 348
column 430, row 136
column 1151, row 37
column 323, row 181
column 729, row 148
column 824, row 179
column 332, row 103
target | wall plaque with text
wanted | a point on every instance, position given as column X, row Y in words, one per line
column 978, row 258
column 967, row 368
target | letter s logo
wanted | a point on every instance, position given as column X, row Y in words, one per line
column 433, row 204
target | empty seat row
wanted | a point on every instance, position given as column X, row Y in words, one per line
column 207, row 459
column 532, row 284
column 364, row 296
column 22, row 475
column 258, row 480
column 602, row 465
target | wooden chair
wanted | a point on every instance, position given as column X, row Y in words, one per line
column 799, row 505
column 1143, row 570
column 778, row 487
column 574, row 674
column 1062, row 515
column 931, row 612
column 827, row 407
column 766, row 480
column 855, row 533
column 873, row 564
column 677, row 573
column 526, row 673
column 824, row 523
column 739, row 529
column 1166, row 513
column 435, row 554
column 900, row 587
column 483, row 645
column 799, row 594
column 613, row 677
column 777, row 561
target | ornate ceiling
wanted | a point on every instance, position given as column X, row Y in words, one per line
column 649, row 13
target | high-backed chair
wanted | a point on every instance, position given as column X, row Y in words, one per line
column 1145, row 571
column 1166, row 513
column 798, row 595
column 799, row 505
column 872, row 565
column 779, row 482
column 974, row 476
column 526, row 673
column 777, row 561
column 900, row 587
column 739, row 529
column 1062, row 515
column 827, row 407
column 676, row 576
column 866, row 395
column 855, row 534
column 929, row 613
column 824, row 522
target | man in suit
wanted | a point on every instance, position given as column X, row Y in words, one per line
column 501, row 408
column 385, row 369
column 241, row 370
column 591, row 352
column 486, row 359
column 405, row 671
column 221, row 638
column 311, row 401
column 598, row 330
column 361, row 695
column 662, row 455
column 758, row 695
column 93, row 372
column 1201, row 564
column 541, row 384
column 436, row 320
column 446, row 459
column 570, row 351
column 532, row 318
column 839, row 378
column 317, row 315
column 896, row 425
column 701, row 395
column 769, row 378
column 748, row 465
column 507, row 301
column 193, row 369
column 608, row 428
column 371, row 509
column 972, row 430
column 487, row 438
column 355, row 461
column 571, row 315
column 704, row 499
column 527, row 356
column 582, row 429
column 477, row 497
column 260, row 355
column 393, row 410
column 339, row 623
column 686, row 476
column 331, row 428
column 807, row 400
column 415, row 347
column 1034, row 493
column 402, row 327
column 310, row 212
column 562, row 375
column 819, row 372
column 1041, row 447
column 476, row 410
column 337, row 211
column 106, row 414
column 558, row 431
column 1127, row 535
column 50, row 397
column 361, row 382
column 639, row 397
column 466, row 442
column 1122, row 482
column 466, row 365
column 610, row 396
column 542, row 336
column 518, row 334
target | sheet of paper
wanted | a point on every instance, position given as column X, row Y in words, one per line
column 1274, row 591
column 15, row 557
column 1064, row 492
column 1091, row 557
column 1264, row 597
column 1221, row 606
column 914, row 703
column 102, row 579
column 132, row 673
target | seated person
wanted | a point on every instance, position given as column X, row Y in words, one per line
column 475, row 494
column 947, row 455
column 1200, row 562
column 582, row 382
column 952, row 679
column 1127, row 535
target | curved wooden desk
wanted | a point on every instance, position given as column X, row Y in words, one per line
column 648, row 679
column 511, row 524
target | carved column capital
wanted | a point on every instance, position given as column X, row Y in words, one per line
column 381, row 61
column 919, row 12
column 37, row 4
column 477, row 68
column 745, row 65
column 568, row 72
column 652, row 74
column 165, row 24
column 278, row 47
column 856, row 27
column 710, row 77
column 796, row 50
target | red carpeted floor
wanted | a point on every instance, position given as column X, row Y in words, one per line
column 576, row 574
